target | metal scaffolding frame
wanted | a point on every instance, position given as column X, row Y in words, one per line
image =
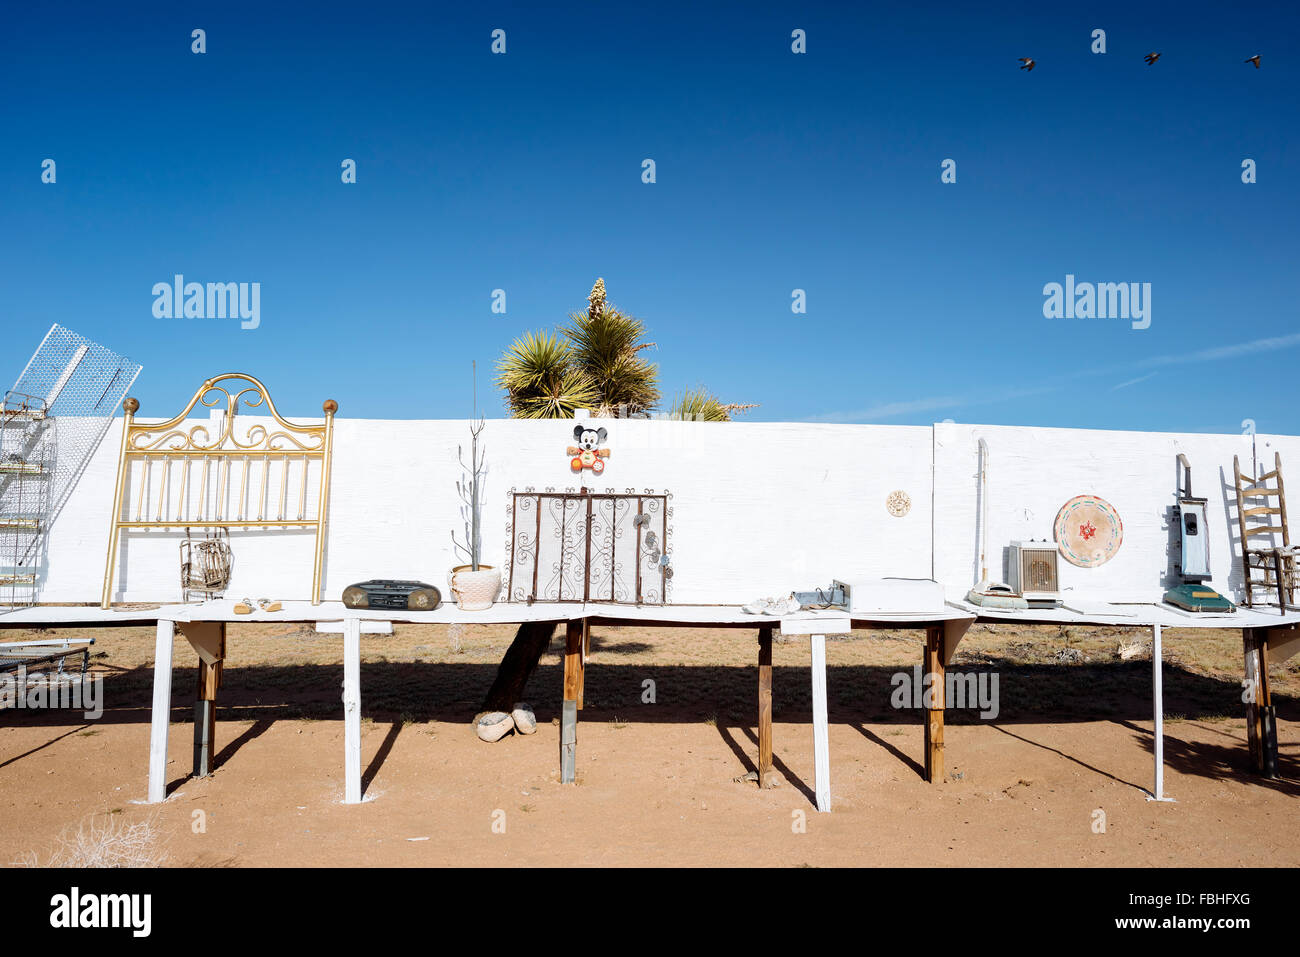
column 51, row 422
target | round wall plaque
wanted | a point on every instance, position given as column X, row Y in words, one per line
column 1088, row 531
column 898, row 503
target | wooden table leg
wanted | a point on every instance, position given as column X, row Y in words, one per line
column 573, row 638
column 160, row 716
column 582, row 669
column 352, row 711
column 764, row 704
column 208, row 639
column 1281, row 582
column 1261, row 719
column 934, row 701
column 821, row 731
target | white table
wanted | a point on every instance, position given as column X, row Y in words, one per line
column 1266, row 635
column 204, row 626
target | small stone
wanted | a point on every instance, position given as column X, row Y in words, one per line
column 773, row 779
column 493, row 726
column 524, row 718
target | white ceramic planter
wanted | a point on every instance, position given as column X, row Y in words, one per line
column 474, row 590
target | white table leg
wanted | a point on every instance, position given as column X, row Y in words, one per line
column 821, row 736
column 352, row 711
column 1158, row 706
column 162, row 706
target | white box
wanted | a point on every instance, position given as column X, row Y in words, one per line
column 893, row 596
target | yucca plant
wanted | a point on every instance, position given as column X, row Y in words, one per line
column 541, row 381
column 700, row 405
column 594, row 363
column 606, row 345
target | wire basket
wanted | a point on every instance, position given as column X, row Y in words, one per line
column 205, row 564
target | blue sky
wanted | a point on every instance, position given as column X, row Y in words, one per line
column 775, row 171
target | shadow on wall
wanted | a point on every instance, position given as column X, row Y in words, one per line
column 171, row 592
column 1236, row 578
column 1171, row 576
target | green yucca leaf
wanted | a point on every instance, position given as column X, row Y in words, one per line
column 540, row 380
column 700, row 405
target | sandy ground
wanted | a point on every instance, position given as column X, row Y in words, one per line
column 656, row 781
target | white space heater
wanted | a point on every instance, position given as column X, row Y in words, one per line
column 1035, row 574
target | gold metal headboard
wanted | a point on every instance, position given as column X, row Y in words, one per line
column 157, row 460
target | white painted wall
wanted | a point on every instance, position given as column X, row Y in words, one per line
column 1033, row 472
column 758, row 508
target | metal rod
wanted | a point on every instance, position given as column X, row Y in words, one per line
column 243, row 486
column 261, row 495
column 984, row 511
column 220, row 510
column 203, row 490
column 537, row 547
column 564, row 520
column 586, row 584
column 139, row 495
column 323, row 504
column 284, row 484
column 162, row 485
column 110, row 561
column 302, row 488
column 514, row 534
column 185, row 479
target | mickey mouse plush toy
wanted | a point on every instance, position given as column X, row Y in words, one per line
column 585, row 454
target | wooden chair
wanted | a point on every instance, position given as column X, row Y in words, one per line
column 1275, row 564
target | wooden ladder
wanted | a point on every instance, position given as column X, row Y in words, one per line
column 1276, row 565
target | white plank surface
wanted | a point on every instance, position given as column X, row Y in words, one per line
column 1034, row 471
column 352, row 711
column 393, row 506
column 809, row 519
column 55, row 616
column 820, row 623
column 1138, row 614
column 160, row 716
column 305, row 611
column 367, row 627
column 821, row 730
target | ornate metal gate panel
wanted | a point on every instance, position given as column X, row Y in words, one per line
column 587, row 546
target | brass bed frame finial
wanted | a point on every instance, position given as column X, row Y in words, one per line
column 161, row 456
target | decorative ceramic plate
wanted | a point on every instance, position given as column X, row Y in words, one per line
column 898, row 503
column 1088, row 531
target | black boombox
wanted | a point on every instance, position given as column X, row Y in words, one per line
column 386, row 593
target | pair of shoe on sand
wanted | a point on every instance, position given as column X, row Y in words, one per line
column 495, row 725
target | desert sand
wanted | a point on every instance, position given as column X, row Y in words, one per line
column 657, row 781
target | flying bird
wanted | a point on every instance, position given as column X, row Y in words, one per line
column 1026, row 63
column 1252, row 59
column 1151, row 58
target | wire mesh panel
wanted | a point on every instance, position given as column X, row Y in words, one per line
column 588, row 547
column 28, row 443
column 53, row 419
